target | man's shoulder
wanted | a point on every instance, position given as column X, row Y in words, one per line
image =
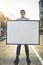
column 27, row 18
column 18, row 18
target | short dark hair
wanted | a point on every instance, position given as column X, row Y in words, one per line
column 22, row 10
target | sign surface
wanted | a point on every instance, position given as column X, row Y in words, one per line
column 23, row 32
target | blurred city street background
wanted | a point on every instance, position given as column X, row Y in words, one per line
column 9, row 10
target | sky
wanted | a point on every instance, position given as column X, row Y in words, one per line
column 11, row 8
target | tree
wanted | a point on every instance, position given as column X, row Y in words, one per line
column 3, row 23
column 2, row 17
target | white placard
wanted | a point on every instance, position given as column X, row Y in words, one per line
column 22, row 32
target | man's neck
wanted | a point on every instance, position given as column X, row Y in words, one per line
column 22, row 17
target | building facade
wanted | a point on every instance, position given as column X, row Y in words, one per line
column 41, row 12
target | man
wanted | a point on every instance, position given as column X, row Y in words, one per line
column 22, row 12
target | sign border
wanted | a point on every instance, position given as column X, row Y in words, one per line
column 22, row 43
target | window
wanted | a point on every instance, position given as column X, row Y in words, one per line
column 41, row 13
column 41, row 3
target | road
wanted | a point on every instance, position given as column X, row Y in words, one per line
column 8, row 53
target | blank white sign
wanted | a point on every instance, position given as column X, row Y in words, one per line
column 22, row 32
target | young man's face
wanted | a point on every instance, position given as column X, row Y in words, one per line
column 22, row 14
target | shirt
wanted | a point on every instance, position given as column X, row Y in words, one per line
column 22, row 18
